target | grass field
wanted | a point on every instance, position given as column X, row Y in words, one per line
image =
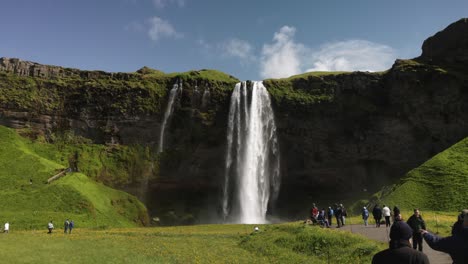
column 284, row 243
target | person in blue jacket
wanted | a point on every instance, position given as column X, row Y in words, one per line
column 456, row 245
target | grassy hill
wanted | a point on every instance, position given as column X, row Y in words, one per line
column 74, row 196
column 441, row 183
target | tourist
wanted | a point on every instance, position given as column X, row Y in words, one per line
column 400, row 250
column 386, row 214
column 343, row 214
column 330, row 215
column 314, row 212
column 65, row 226
column 377, row 214
column 396, row 214
column 338, row 215
column 322, row 220
column 71, row 226
column 7, row 228
column 50, row 226
column 455, row 245
column 365, row 215
column 417, row 224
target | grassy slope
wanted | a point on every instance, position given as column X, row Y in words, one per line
column 74, row 196
column 285, row 243
column 438, row 184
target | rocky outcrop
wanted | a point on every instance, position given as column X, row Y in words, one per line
column 449, row 46
column 33, row 69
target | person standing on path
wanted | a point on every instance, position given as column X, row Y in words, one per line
column 71, row 226
column 456, row 245
column 338, row 216
column 386, row 214
column 365, row 215
column 7, row 228
column 344, row 214
column 417, row 224
column 400, row 251
column 65, row 226
column 396, row 214
column 330, row 215
column 50, row 226
column 377, row 214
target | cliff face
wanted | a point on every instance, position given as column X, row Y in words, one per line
column 340, row 135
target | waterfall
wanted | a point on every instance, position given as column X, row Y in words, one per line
column 169, row 109
column 205, row 98
column 252, row 178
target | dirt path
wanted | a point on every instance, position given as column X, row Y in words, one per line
column 381, row 234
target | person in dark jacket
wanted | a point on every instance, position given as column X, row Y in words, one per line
column 417, row 224
column 400, row 250
column 396, row 214
column 330, row 214
column 455, row 245
column 377, row 214
column 338, row 215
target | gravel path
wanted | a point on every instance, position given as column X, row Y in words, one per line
column 381, row 234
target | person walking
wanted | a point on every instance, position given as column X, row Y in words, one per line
column 343, row 214
column 50, row 226
column 417, row 224
column 400, row 250
column 386, row 214
column 396, row 214
column 71, row 226
column 365, row 215
column 377, row 214
column 455, row 245
column 338, row 216
column 7, row 228
column 66, row 224
column 330, row 215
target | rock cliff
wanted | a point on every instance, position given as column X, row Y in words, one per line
column 341, row 134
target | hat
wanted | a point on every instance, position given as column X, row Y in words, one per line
column 400, row 231
column 364, row 207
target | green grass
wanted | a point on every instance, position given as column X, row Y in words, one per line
column 440, row 184
column 76, row 196
column 285, row 243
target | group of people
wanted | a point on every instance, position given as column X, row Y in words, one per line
column 68, row 226
column 325, row 217
column 400, row 250
column 378, row 213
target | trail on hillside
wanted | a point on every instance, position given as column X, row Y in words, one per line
column 382, row 233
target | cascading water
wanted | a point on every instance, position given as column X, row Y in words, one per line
column 169, row 109
column 252, row 177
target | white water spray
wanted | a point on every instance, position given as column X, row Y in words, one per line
column 169, row 110
column 252, row 159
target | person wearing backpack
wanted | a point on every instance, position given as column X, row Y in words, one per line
column 365, row 215
column 71, row 226
column 330, row 215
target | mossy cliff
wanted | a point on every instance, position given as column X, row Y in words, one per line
column 341, row 134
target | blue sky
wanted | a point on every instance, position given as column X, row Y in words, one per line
column 247, row 39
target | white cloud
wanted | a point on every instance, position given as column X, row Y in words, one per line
column 160, row 4
column 159, row 28
column 282, row 58
column 238, row 48
column 353, row 55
